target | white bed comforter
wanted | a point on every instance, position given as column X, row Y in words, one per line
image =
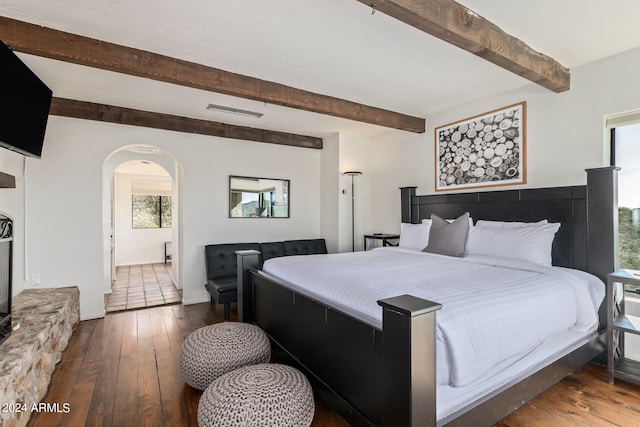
column 492, row 308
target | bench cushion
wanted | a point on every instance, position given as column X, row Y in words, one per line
column 222, row 284
column 223, row 289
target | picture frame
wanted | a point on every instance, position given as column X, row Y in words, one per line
column 486, row 150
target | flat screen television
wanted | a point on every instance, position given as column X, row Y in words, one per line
column 24, row 106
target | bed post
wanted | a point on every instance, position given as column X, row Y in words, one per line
column 408, row 335
column 602, row 220
column 246, row 260
column 406, row 197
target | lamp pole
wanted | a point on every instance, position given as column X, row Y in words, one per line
column 353, row 174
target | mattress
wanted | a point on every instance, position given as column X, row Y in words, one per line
column 487, row 302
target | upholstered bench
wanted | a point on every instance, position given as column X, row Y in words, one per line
column 214, row 350
column 221, row 264
column 258, row 395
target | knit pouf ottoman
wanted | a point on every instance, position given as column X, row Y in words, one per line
column 259, row 395
column 217, row 349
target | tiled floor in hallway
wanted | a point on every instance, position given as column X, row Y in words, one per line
column 139, row 286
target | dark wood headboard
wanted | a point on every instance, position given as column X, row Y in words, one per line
column 588, row 213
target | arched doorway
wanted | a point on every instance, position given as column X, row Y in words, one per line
column 143, row 161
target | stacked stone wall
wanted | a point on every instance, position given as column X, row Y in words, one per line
column 42, row 321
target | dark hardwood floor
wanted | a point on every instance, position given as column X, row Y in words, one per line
column 123, row 371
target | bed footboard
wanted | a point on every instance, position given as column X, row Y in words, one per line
column 370, row 376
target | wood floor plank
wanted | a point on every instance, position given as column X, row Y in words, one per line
column 102, row 402
column 98, row 346
column 80, row 397
column 174, row 332
column 126, row 403
column 183, row 320
column 145, row 331
column 149, row 406
column 171, row 389
column 159, row 330
column 130, row 334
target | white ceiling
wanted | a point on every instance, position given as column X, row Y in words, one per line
column 332, row 47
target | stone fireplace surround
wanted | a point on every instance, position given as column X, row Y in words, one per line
column 43, row 321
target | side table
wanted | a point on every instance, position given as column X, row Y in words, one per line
column 619, row 323
column 385, row 237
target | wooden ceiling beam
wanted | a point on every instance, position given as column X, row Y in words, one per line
column 456, row 24
column 41, row 41
column 128, row 116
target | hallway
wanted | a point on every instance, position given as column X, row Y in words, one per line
column 140, row 286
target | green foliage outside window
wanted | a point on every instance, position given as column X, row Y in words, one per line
column 151, row 211
column 166, row 213
column 628, row 240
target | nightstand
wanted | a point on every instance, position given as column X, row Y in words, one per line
column 619, row 323
column 385, row 237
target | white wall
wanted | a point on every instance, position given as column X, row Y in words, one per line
column 136, row 246
column 565, row 135
column 66, row 206
column 330, row 192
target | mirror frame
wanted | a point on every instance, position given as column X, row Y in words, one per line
column 286, row 183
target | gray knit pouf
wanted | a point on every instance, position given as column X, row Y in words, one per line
column 259, row 395
column 217, row 349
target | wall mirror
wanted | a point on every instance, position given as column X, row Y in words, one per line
column 258, row 197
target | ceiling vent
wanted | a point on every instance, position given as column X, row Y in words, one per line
column 232, row 110
column 146, row 149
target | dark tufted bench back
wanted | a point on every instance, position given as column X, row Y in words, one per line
column 271, row 250
column 292, row 247
column 221, row 259
column 305, row 247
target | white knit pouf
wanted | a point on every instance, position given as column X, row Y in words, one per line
column 217, row 349
column 266, row 395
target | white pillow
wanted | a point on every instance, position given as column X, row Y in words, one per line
column 414, row 236
column 530, row 243
column 504, row 224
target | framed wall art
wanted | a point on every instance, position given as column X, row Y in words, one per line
column 482, row 151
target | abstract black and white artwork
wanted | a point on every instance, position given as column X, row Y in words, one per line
column 481, row 151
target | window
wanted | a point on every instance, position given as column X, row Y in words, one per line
column 149, row 211
column 625, row 153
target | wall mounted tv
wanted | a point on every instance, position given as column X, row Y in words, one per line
column 24, row 106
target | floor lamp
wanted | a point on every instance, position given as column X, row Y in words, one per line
column 352, row 174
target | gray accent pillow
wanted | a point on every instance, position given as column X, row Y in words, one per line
column 448, row 238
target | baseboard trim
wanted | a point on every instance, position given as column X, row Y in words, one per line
column 195, row 300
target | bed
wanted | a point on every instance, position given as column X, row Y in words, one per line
column 402, row 354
